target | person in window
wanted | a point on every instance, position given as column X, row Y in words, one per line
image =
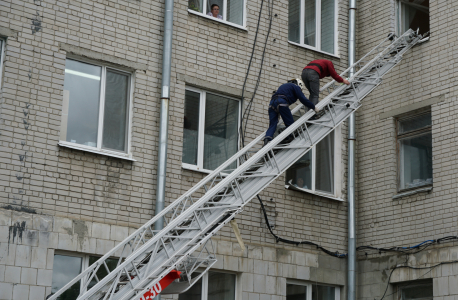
column 286, row 95
column 316, row 70
column 215, row 12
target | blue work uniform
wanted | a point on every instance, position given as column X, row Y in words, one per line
column 286, row 95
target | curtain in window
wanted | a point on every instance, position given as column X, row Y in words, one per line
column 294, row 21
column 191, row 127
column 310, row 23
column 82, row 82
column 116, row 112
column 324, row 179
column 220, row 137
column 327, row 25
column 235, row 11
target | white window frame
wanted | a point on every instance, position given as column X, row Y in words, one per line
column 200, row 143
column 2, row 52
column 204, row 278
column 399, row 18
column 318, row 29
column 309, row 287
column 98, row 149
column 204, row 14
column 337, row 195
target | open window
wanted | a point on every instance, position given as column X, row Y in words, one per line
column 413, row 14
column 313, row 24
column 230, row 11
column 302, row 290
column 213, row 285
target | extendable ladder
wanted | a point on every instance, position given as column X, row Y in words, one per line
column 147, row 256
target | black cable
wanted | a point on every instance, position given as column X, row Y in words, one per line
column 247, row 111
column 279, row 239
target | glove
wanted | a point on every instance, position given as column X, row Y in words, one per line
column 317, row 110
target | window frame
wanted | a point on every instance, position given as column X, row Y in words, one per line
column 84, row 262
column 204, row 278
column 130, row 96
column 2, row 55
column 410, row 134
column 337, row 195
column 309, row 287
column 399, row 17
column 318, row 29
column 400, row 287
column 200, row 144
column 204, row 14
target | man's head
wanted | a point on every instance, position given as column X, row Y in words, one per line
column 298, row 82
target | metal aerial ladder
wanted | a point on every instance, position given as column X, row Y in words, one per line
column 148, row 257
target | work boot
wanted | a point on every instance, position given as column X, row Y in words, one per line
column 266, row 141
column 287, row 139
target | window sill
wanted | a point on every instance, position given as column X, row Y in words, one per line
column 294, row 188
column 216, row 20
column 96, row 151
column 408, row 193
column 194, row 168
column 313, row 49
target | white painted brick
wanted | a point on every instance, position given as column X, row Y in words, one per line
column 6, row 290
column 44, row 277
column 23, row 254
column 20, row 292
column 37, row 293
column 12, row 274
column 29, row 276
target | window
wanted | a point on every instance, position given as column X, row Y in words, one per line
column 68, row 266
column 2, row 50
column 231, row 11
column 316, row 171
column 416, row 291
column 96, row 108
column 414, row 142
column 212, row 286
column 297, row 290
column 210, row 129
column 413, row 14
column 313, row 23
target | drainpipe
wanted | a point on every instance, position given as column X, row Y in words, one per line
column 164, row 117
column 351, row 291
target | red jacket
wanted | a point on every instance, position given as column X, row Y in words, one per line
column 327, row 69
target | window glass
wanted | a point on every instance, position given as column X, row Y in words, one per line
column 416, row 123
column 82, row 83
column 294, row 21
column 235, row 11
column 415, row 15
column 416, row 161
column 325, row 164
column 296, row 292
column 64, row 270
column 221, row 135
column 116, row 111
column 322, row 292
column 2, row 51
column 191, row 127
column 220, row 3
column 310, row 23
column 221, row 286
column 319, row 161
column 423, row 291
column 102, row 271
column 196, row 5
column 327, row 25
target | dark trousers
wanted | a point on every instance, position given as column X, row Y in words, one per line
column 311, row 80
column 278, row 106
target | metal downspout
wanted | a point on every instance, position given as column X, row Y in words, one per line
column 164, row 116
column 351, row 291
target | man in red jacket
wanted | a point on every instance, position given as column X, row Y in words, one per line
column 315, row 71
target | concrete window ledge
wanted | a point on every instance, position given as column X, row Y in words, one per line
column 427, row 189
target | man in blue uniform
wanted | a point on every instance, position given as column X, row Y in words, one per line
column 286, row 95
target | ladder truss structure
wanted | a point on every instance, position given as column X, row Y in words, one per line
column 184, row 244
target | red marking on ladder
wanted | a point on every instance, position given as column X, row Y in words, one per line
column 162, row 284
